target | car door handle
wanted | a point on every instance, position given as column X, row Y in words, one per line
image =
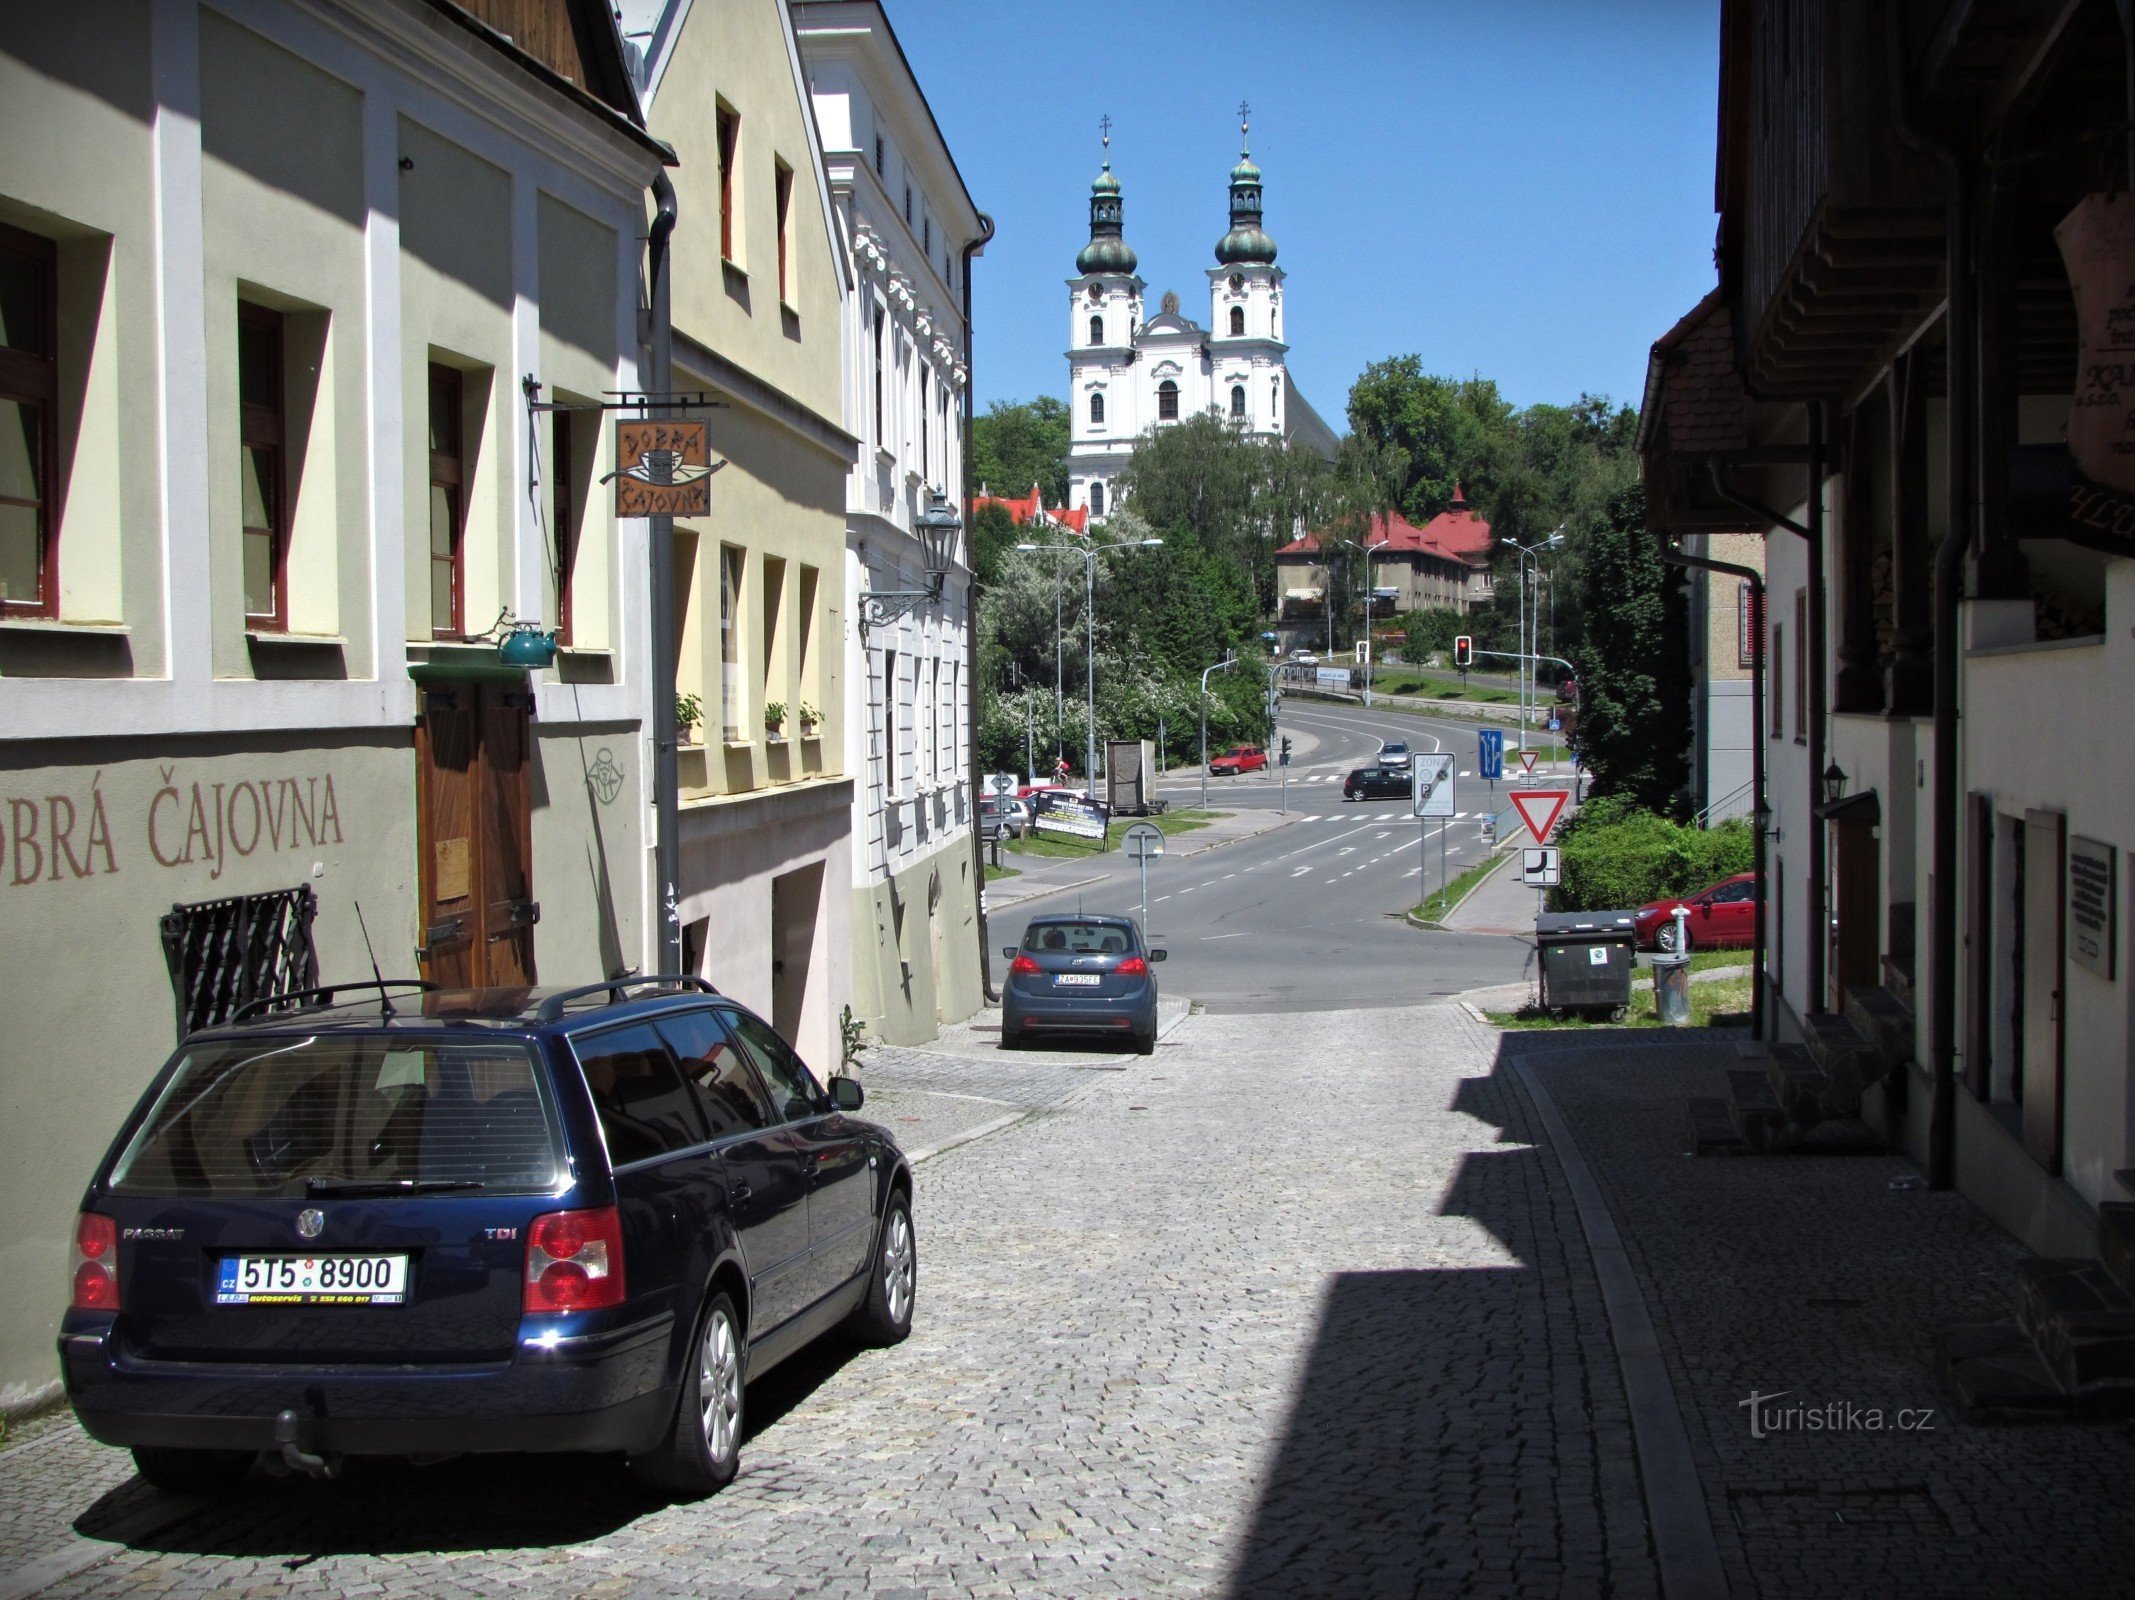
column 740, row 1191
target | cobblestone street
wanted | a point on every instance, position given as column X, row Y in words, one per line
column 1301, row 1305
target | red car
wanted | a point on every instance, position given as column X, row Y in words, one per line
column 1238, row 758
column 1723, row 914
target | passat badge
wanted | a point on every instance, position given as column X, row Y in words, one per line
column 311, row 1222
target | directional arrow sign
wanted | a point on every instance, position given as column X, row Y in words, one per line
column 1539, row 809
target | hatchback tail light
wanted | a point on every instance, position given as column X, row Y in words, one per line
column 1133, row 967
column 574, row 1261
column 96, row 1263
column 1023, row 967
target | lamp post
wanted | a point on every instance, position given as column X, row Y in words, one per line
column 1229, row 661
column 1364, row 594
column 1089, row 612
column 1527, row 553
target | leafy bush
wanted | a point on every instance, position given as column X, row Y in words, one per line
column 1618, row 855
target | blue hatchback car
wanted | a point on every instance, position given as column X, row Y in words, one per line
column 445, row 1221
column 1080, row 974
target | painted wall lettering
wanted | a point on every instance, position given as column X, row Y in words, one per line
column 56, row 838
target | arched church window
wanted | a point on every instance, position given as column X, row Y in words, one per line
column 1167, row 401
column 1097, row 408
column 1097, row 330
column 1275, row 397
column 1097, row 490
column 1238, row 401
column 1237, row 322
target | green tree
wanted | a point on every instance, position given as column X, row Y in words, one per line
column 1431, row 432
column 1019, row 443
column 1633, row 661
column 1428, row 633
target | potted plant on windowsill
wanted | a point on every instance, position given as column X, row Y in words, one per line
column 811, row 719
column 689, row 711
column 774, row 719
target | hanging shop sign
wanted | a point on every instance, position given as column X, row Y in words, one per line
column 662, row 468
column 2097, row 242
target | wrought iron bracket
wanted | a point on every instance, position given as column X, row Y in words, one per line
column 879, row 607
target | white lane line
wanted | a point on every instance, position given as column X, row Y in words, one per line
column 1300, row 872
column 1160, row 899
column 1206, row 937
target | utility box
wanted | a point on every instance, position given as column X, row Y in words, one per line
column 1586, row 959
column 1130, row 776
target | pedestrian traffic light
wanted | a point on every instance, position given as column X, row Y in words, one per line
column 1464, row 652
column 1286, row 749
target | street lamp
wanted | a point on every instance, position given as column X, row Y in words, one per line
column 1527, row 553
column 936, row 528
column 1229, row 661
column 1834, row 782
column 1089, row 612
column 1364, row 594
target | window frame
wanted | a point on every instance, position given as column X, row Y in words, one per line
column 751, row 1080
column 1097, row 329
column 1096, row 498
column 818, row 1097
column 726, row 122
column 266, row 427
column 32, row 381
column 448, row 471
column 564, row 507
column 1167, row 401
column 1097, row 410
column 1801, row 667
column 1237, row 322
column 588, row 1042
column 782, row 200
column 1238, row 402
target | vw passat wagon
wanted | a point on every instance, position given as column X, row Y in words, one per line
column 492, row 1220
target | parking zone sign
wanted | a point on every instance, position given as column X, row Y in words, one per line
column 1431, row 786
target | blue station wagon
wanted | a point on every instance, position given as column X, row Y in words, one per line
column 479, row 1220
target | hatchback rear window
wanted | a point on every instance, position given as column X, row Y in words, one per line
column 288, row 1117
column 1081, row 938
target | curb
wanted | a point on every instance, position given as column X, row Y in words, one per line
column 1502, row 856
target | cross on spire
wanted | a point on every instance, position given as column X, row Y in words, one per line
column 1104, row 125
column 1245, row 125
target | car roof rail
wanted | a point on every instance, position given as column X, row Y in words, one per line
column 553, row 1006
column 309, row 999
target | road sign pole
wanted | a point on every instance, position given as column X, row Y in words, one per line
column 1143, row 862
column 1423, row 861
column 1442, row 880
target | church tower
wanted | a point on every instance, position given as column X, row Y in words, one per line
column 1245, row 308
column 1104, row 314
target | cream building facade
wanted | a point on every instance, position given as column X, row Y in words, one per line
column 271, row 273
column 760, row 282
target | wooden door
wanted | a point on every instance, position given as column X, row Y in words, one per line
column 1856, row 936
column 2043, row 1045
column 474, row 825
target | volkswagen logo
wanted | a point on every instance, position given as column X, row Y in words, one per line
column 311, row 1222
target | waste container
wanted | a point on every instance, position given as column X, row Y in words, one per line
column 1671, row 990
column 1586, row 959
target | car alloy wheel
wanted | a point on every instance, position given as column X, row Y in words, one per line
column 1666, row 938
column 897, row 1265
column 719, row 1386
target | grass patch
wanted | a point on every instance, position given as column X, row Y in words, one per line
column 1444, row 900
column 1170, row 823
column 995, row 874
column 1723, row 1001
column 1441, row 686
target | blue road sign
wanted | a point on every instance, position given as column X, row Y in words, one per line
column 1556, row 725
column 1490, row 753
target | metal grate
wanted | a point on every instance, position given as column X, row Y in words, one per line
column 224, row 953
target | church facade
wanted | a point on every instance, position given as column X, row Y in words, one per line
column 1128, row 374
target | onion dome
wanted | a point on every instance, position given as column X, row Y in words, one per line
column 1245, row 242
column 1108, row 250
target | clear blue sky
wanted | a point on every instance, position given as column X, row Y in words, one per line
column 1520, row 188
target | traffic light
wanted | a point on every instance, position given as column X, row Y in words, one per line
column 1286, row 749
column 1464, row 652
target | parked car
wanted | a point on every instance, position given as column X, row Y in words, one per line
column 1377, row 783
column 1080, row 974
column 475, row 1220
column 1721, row 914
column 1237, row 759
column 1004, row 814
column 1394, row 753
column 1303, row 655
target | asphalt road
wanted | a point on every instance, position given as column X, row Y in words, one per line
column 1309, row 916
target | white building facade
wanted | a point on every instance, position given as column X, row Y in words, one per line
column 1128, row 375
column 910, row 228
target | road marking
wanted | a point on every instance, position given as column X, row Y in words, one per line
column 1206, row 937
column 1300, row 872
column 1160, row 899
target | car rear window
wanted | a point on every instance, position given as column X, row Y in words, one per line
column 1078, row 938
column 286, row 1117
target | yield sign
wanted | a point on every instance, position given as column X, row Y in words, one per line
column 1539, row 809
column 1527, row 760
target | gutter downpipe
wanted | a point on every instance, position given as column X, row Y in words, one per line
column 1819, row 676
column 971, row 631
column 1759, row 813
column 666, row 850
column 1961, row 338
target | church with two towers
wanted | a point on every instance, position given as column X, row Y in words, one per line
column 1128, row 374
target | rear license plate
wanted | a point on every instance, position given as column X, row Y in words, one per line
column 378, row 1280
column 1067, row 979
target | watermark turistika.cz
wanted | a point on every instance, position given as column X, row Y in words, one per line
column 1769, row 1416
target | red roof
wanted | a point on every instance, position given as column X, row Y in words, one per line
column 1455, row 534
column 1032, row 508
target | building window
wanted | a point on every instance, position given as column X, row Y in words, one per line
column 1274, row 400
column 448, row 503
column 1097, row 499
column 1777, row 681
column 1238, row 402
column 926, row 431
column 565, row 499
column 1167, row 401
column 1097, row 330
column 926, row 237
column 1237, row 322
column 908, row 205
column 1097, row 409
column 29, row 392
column 730, row 560
column 264, row 511
column 729, row 144
column 1801, row 666
column 782, row 190
column 889, row 723
column 880, row 164
column 881, row 439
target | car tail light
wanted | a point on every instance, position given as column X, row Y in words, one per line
column 1023, row 967
column 1133, row 967
column 96, row 1263
column 574, row 1261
